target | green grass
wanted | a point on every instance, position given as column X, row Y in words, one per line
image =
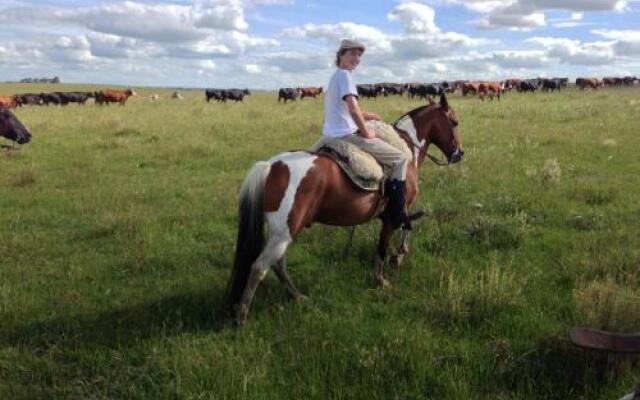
column 117, row 230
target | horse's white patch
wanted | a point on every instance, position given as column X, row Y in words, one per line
column 406, row 124
column 299, row 164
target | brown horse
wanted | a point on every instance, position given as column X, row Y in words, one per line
column 294, row 189
column 12, row 129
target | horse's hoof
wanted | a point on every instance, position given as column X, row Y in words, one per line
column 300, row 298
column 241, row 315
column 384, row 284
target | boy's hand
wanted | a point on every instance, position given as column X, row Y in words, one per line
column 367, row 134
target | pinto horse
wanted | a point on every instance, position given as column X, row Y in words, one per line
column 294, row 189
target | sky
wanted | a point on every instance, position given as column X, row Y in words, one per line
column 267, row 44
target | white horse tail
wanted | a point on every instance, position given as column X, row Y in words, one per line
column 251, row 240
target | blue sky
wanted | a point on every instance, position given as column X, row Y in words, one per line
column 275, row 43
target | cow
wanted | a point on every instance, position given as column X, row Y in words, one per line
column 113, row 96
column 511, row 84
column 12, row 129
column 218, row 95
column 422, row 90
column 310, row 92
column 53, row 97
column 448, row 87
column 177, row 95
column 629, row 80
column 288, row 94
column 528, row 85
column 608, row 81
column 76, row 97
column 491, row 89
column 8, row 102
column 551, row 84
column 583, row 83
column 369, row 90
column 236, row 94
column 154, row 97
column 392, row 88
column 563, row 82
column 468, row 87
column 30, row 99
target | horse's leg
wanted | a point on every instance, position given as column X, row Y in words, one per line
column 403, row 248
column 273, row 251
column 381, row 255
column 281, row 272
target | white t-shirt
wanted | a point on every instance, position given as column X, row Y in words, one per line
column 337, row 120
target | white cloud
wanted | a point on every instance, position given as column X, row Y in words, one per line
column 206, row 64
column 298, row 62
column 627, row 42
column 253, row 68
column 372, row 37
column 415, row 17
column 574, row 52
column 527, row 14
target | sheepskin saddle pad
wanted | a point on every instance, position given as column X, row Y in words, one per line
column 360, row 166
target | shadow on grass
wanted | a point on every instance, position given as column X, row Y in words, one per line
column 182, row 313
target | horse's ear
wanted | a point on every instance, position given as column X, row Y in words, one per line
column 443, row 102
column 431, row 102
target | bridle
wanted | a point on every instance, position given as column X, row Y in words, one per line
column 421, row 146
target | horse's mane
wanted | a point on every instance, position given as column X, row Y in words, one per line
column 413, row 112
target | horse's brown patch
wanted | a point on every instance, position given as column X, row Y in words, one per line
column 275, row 186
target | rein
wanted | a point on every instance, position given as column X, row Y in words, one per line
column 437, row 161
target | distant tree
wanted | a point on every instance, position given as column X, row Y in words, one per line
column 55, row 80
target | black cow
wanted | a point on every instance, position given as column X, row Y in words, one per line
column 550, row 84
column 393, row 88
column 528, row 85
column 236, row 94
column 423, row 90
column 12, row 129
column 288, row 94
column 54, row 97
column 30, row 99
column 368, row 90
column 629, row 80
column 562, row 81
column 77, row 97
column 219, row 95
column 448, row 87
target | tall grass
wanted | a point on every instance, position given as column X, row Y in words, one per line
column 117, row 228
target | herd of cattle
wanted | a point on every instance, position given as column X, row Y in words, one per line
column 414, row 89
column 63, row 98
column 484, row 88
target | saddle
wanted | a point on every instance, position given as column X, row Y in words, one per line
column 363, row 170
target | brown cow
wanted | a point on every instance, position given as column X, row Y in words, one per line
column 114, row 96
column 470, row 87
column 490, row 88
column 593, row 83
column 310, row 92
column 9, row 102
column 510, row 84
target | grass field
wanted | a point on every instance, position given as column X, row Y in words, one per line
column 117, row 229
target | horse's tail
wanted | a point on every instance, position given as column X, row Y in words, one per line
column 250, row 241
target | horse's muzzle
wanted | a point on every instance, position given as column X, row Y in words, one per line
column 456, row 156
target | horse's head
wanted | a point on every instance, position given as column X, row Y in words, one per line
column 435, row 123
column 445, row 132
column 12, row 128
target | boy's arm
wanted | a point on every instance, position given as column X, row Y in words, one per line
column 358, row 117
